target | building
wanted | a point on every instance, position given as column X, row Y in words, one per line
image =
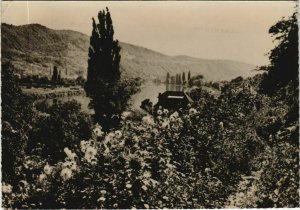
column 173, row 100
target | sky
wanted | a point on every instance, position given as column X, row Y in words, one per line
column 208, row 29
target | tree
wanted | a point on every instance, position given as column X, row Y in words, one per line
column 59, row 76
column 104, row 54
column 173, row 80
column 109, row 96
column 283, row 58
column 64, row 121
column 168, row 78
column 179, row 78
column 189, row 75
column 17, row 117
column 55, row 74
column 183, row 77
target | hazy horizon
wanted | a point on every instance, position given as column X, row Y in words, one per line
column 209, row 30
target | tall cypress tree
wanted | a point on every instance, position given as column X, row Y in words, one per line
column 104, row 70
column 104, row 54
column 189, row 75
column 55, row 74
column 183, row 77
column 168, row 78
column 179, row 78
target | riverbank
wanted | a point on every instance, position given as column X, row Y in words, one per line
column 51, row 93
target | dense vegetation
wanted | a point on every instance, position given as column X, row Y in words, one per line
column 234, row 147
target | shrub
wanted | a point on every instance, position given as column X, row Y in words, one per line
column 63, row 125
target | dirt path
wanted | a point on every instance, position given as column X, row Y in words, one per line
column 245, row 196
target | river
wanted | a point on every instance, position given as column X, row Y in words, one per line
column 149, row 90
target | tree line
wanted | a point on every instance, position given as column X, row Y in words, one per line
column 178, row 79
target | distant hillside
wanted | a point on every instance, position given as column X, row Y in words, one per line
column 35, row 49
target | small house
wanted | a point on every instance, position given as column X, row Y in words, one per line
column 173, row 100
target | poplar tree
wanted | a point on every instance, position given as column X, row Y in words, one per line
column 168, row 78
column 104, row 53
column 104, row 70
column 54, row 75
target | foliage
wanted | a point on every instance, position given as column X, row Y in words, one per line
column 109, row 95
column 197, row 80
column 16, row 119
column 63, row 121
column 284, row 57
column 55, row 75
column 184, row 159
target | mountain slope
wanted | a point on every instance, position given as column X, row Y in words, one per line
column 35, row 49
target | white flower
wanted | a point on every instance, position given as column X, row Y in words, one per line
column 146, row 206
column 221, row 125
column 102, row 199
column 71, row 155
column 42, row 177
column 135, row 138
column 90, row 155
column 47, row 169
column 148, row 120
column 118, row 134
column 66, row 174
column 91, row 151
column 94, row 161
column 128, row 186
column 73, row 166
column 166, row 111
column 147, row 174
column 109, row 137
column 192, row 111
column 159, row 112
column 165, row 124
column 67, row 164
column 6, row 188
column 144, row 187
column 125, row 115
column 103, row 192
column 84, row 145
column 98, row 126
column 175, row 114
column 207, row 170
column 67, row 151
column 23, row 184
column 172, row 118
column 97, row 131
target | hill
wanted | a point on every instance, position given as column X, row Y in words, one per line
column 35, row 49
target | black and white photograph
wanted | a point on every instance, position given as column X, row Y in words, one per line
column 149, row 104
